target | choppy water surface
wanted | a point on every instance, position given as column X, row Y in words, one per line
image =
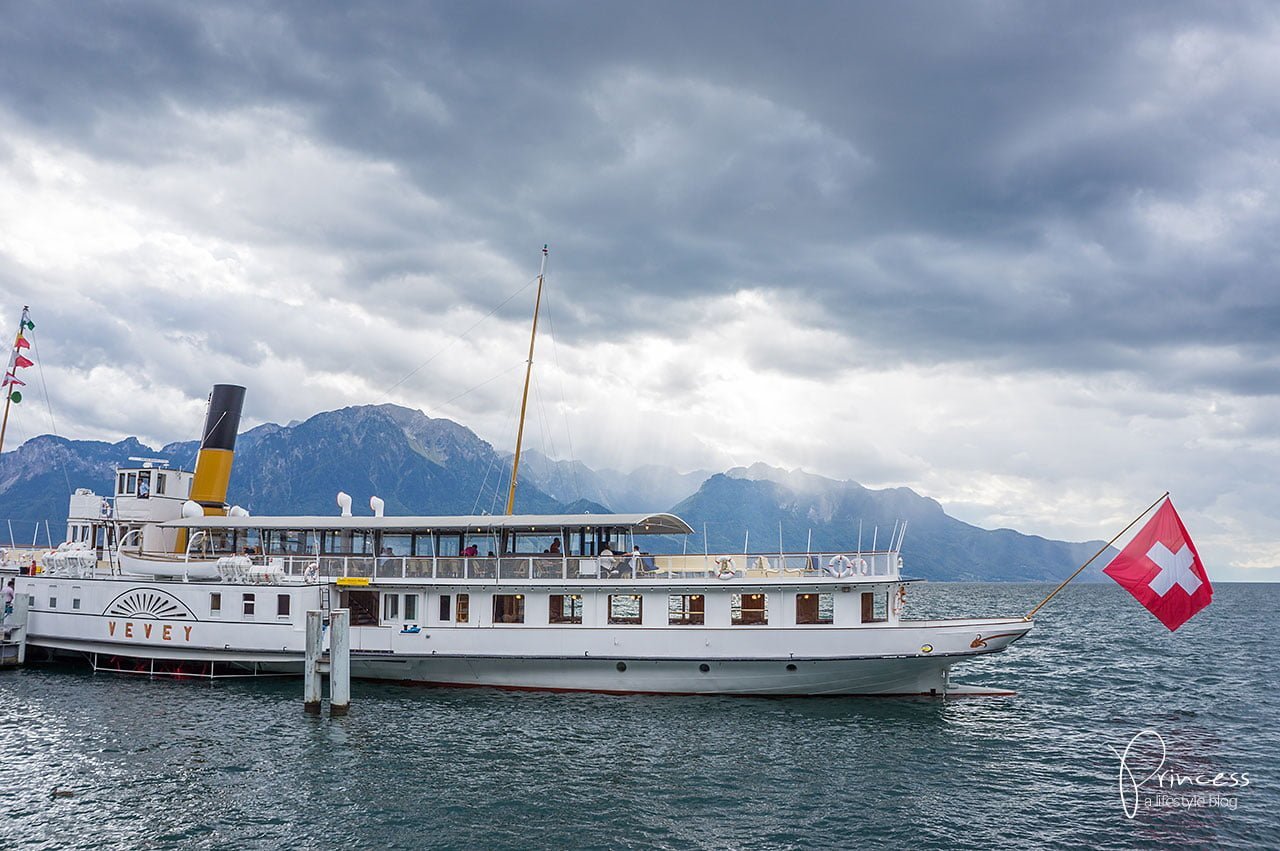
column 109, row 761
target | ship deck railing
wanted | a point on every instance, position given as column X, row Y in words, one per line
column 550, row 567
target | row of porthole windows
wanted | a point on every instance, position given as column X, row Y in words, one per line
column 704, row 667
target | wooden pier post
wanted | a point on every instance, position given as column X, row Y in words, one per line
column 13, row 635
column 339, row 661
column 311, row 668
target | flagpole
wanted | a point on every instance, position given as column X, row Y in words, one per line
column 524, row 400
column 1054, row 592
column 8, row 392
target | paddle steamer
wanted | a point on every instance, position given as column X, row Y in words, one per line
column 163, row 577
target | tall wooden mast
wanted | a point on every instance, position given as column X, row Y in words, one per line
column 524, row 400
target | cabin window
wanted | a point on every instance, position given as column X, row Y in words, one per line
column 444, row 607
column 249, row 605
column 686, row 610
column 423, row 545
column 566, row 608
column 397, row 545
column 874, row 607
column 75, row 597
column 53, row 596
column 391, row 607
column 347, row 542
column 508, row 608
column 282, row 605
column 748, row 609
column 464, row 608
column 215, row 605
column 625, row 608
column 160, row 477
column 289, row 542
column 411, row 607
column 130, row 482
column 815, row 608
column 144, row 485
column 120, row 484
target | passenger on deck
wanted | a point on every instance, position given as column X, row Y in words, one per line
column 8, row 602
column 555, row 546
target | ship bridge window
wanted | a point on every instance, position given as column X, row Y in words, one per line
column 566, row 608
column 748, row 609
column 508, row 608
column 875, row 607
column 130, row 482
column 144, row 485
column 686, row 609
column 625, row 608
column 160, row 477
column 815, row 608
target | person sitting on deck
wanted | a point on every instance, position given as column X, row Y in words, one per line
column 555, row 546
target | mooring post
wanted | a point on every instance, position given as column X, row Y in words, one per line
column 339, row 661
column 21, row 602
column 311, row 668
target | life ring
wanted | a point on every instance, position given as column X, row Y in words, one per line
column 725, row 564
column 839, row 566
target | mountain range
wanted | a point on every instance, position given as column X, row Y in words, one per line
column 432, row 466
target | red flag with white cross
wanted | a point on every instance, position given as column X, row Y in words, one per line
column 1162, row 570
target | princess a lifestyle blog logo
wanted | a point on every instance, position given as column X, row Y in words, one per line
column 1145, row 783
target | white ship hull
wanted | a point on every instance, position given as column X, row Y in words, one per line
column 152, row 627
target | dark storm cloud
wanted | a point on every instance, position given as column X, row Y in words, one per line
column 986, row 182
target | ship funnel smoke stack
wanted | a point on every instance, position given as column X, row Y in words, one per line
column 377, row 504
column 344, row 503
column 217, row 448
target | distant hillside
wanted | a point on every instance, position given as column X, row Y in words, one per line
column 423, row 465
column 936, row 546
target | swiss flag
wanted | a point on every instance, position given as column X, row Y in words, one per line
column 1162, row 569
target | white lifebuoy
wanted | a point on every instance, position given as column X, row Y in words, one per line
column 725, row 563
column 839, row 566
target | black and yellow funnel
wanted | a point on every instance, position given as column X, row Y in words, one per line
column 217, row 449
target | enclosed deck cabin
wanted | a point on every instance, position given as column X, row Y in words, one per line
column 142, row 497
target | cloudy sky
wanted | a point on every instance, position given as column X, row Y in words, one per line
column 1020, row 257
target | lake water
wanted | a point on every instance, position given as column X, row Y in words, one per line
column 93, row 761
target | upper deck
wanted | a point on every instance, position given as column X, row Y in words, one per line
column 517, row 548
